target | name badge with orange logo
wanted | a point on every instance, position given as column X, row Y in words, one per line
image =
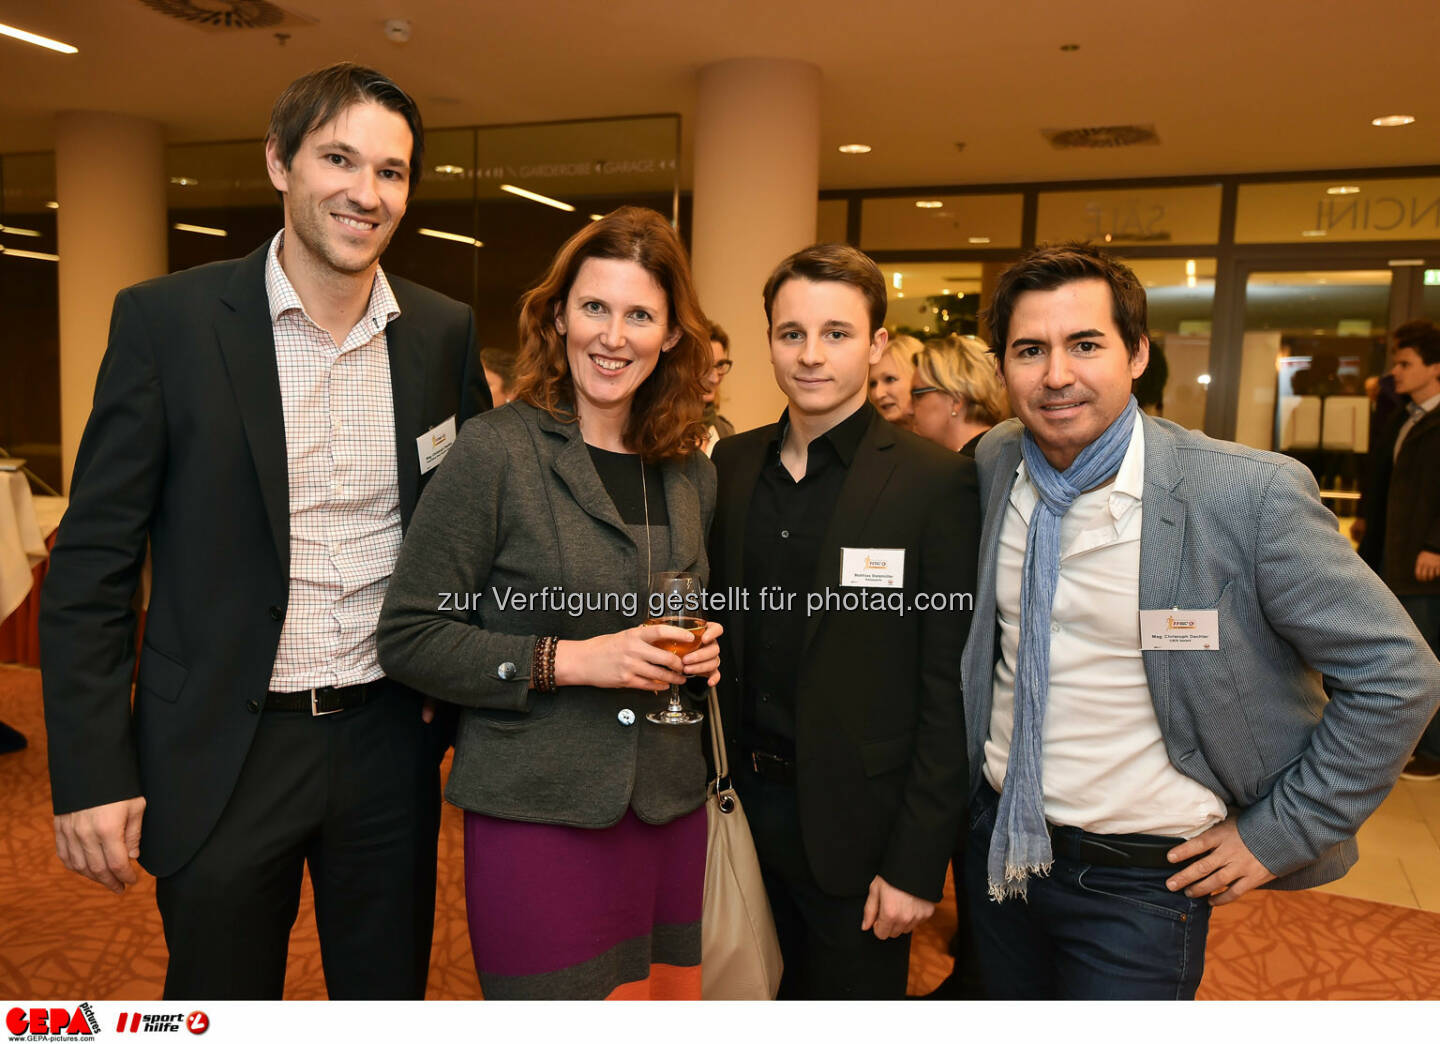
column 872, row 567
column 1178, row 630
column 435, row 443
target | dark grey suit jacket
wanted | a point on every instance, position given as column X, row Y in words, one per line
column 1403, row 504
column 518, row 506
column 1243, row 532
column 185, row 447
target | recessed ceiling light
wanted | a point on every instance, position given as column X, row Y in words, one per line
column 1311, row 233
column 1396, row 120
column 899, row 293
column 979, row 240
column 515, row 190
column 947, row 291
column 183, row 181
column 1204, row 378
column 38, row 41
column 203, row 230
column 596, row 217
column 1342, row 190
column 449, row 168
column 52, row 204
column 454, row 237
column 855, row 149
column 929, row 204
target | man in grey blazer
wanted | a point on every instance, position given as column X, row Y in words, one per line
column 1155, row 610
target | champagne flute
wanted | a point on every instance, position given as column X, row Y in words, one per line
column 676, row 596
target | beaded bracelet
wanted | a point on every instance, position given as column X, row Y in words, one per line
column 542, row 664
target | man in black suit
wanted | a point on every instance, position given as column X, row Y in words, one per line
column 1402, row 504
column 266, row 425
column 842, row 700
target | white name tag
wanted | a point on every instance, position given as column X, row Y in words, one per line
column 1179, row 629
column 434, row 444
column 872, row 567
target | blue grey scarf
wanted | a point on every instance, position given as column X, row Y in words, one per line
column 1020, row 844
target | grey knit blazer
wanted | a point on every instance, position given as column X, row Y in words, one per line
column 517, row 507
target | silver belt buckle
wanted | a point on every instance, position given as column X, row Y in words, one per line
column 315, row 711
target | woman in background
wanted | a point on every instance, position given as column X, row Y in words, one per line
column 956, row 394
column 890, row 381
column 584, row 822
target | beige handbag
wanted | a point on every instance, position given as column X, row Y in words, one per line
column 740, row 954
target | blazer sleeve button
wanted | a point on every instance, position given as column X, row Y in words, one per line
column 253, row 706
column 506, row 671
column 276, row 613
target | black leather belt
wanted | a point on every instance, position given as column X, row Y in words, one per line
column 325, row 700
column 771, row 766
column 1141, row 851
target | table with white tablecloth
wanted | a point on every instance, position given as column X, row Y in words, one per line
column 27, row 526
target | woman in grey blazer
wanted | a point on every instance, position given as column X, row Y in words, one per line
column 517, row 595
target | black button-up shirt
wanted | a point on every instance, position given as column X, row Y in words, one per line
column 783, row 533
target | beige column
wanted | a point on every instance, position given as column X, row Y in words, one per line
column 757, row 175
column 110, row 183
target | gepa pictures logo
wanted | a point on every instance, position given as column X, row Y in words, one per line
column 78, row 1023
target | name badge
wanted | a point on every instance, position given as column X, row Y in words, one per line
column 435, row 443
column 872, row 567
column 1176, row 630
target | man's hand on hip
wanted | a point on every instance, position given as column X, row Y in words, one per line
column 1227, row 871
column 892, row 912
column 1427, row 566
column 99, row 842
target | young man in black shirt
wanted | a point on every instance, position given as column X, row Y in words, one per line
column 856, row 544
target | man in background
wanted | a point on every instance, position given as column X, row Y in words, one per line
column 1402, row 531
column 716, row 426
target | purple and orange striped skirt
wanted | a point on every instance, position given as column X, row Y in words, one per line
column 560, row 912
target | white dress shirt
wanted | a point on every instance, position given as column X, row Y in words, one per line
column 1105, row 768
column 344, row 495
column 1416, row 410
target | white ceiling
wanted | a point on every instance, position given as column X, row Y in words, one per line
column 1230, row 85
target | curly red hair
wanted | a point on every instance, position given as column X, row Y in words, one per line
column 665, row 413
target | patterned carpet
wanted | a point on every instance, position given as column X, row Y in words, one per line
column 64, row 937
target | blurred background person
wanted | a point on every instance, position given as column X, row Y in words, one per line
column 716, row 426
column 584, row 824
column 499, row 366
column 955, row 393
column 890, row 381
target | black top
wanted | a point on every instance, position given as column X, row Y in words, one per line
column 783, row 533
column 620, row 474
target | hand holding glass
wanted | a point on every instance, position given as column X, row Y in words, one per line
column 677, row 596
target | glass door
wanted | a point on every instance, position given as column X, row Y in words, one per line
column 1313, row 355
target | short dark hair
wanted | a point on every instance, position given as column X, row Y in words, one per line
column 318, row 97
column 501, row 362
column 1421, row 336
column 719, row 336
column 1053, row 265
column 832, row 263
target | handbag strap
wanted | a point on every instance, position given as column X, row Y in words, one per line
column 717, row 739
